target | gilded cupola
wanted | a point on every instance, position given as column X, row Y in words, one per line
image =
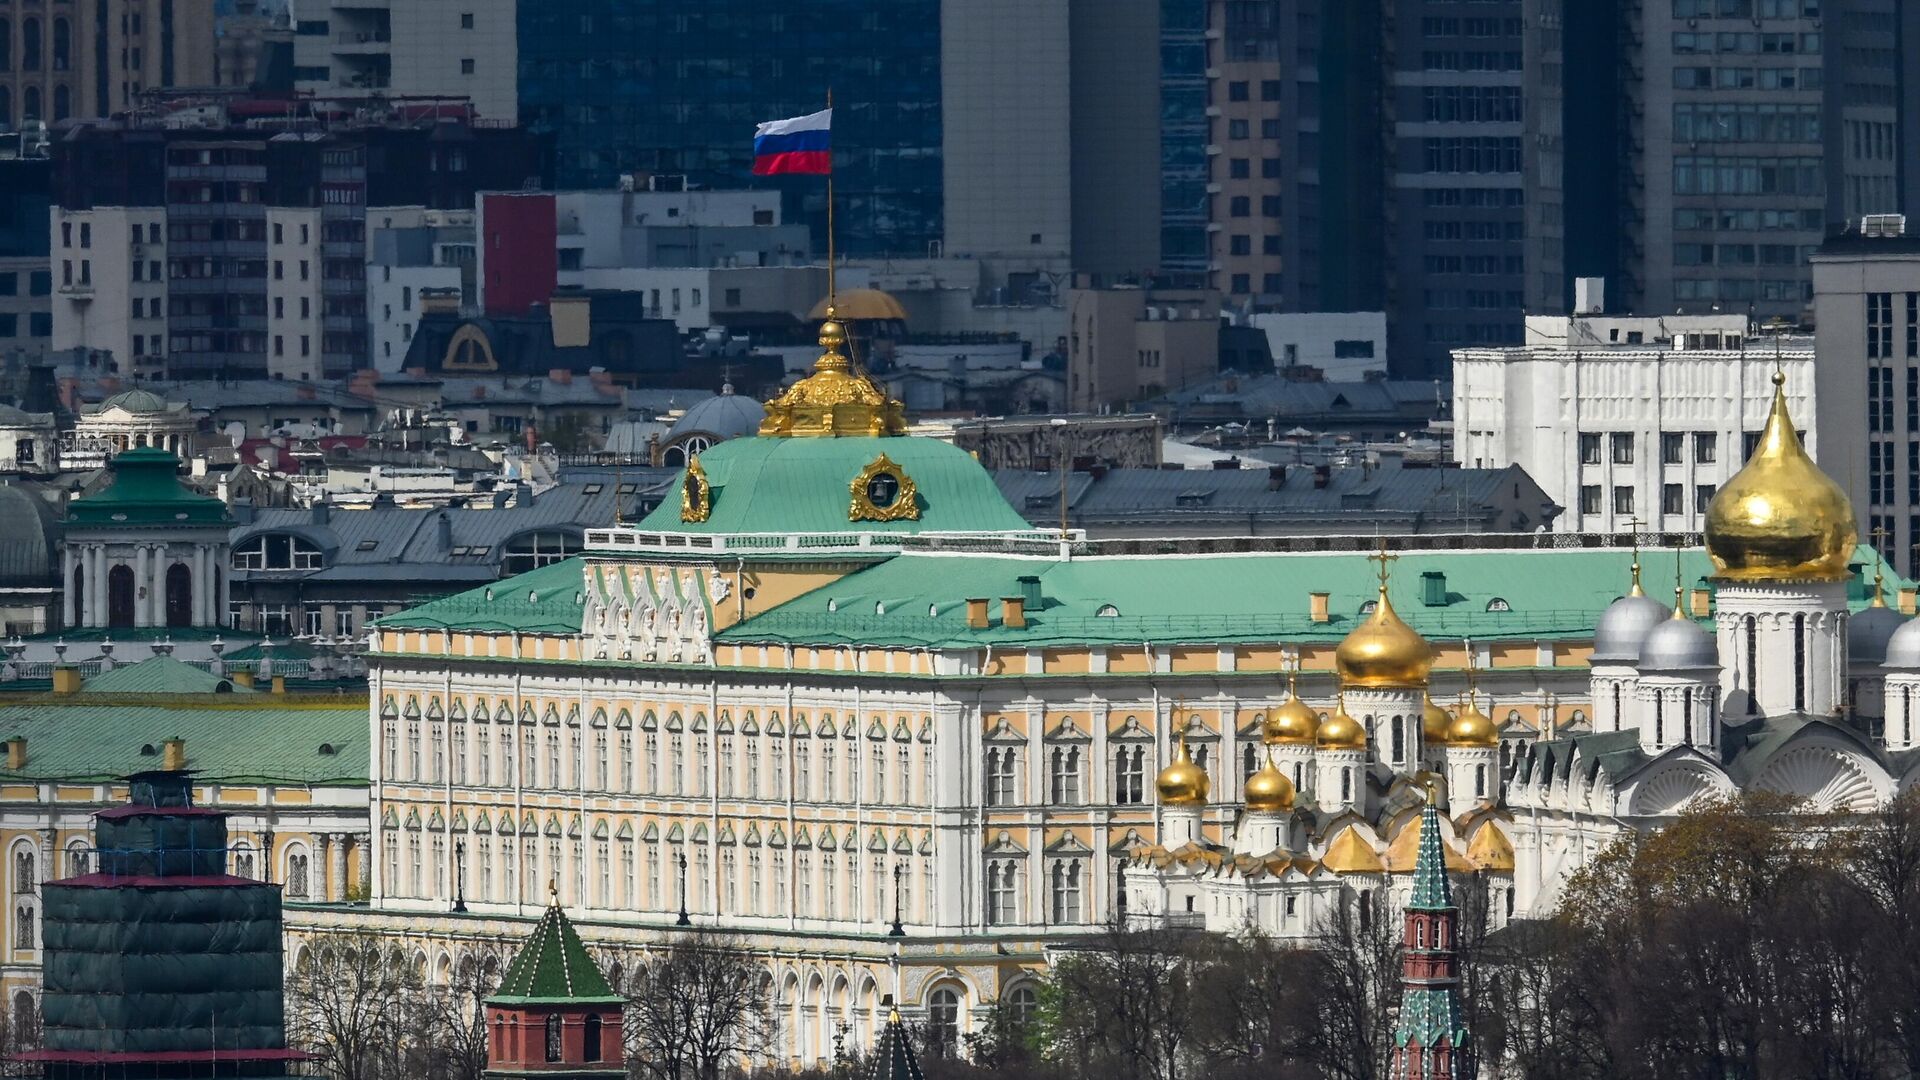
column 1383, row 651
column 1340, row 731
column 1434, row 721
column 1269, row 790
column 1182, row 782
column 1293, row 723
column 836, row 399
column 1472, row 728
column 1780, row 518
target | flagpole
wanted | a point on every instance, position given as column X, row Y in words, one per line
column 830, row 252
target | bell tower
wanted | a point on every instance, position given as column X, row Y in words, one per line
column 554, row 1014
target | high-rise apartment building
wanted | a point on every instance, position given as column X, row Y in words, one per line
column 60, row 59
column 1695, row 152
column 369, row 48
column 1366, row 156
column 26, row 315
column 1866, row 303
column 225, row 251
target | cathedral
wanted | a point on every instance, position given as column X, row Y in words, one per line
column 840, row 699
column 1781, row 687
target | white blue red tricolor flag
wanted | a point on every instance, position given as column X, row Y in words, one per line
column 797, row 145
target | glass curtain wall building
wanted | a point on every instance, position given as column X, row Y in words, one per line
column 654, row 88
column 1183, row 141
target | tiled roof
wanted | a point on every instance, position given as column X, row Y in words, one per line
column 553, row 968
column 230, row 739
column 146, row 490
column 778, row 485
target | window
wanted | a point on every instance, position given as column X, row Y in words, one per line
column 553, row 1042
column 1002, row 892
column 1063, row 774
column 1003, row 764
column 466, row 65
column 277, row 551
column 297, row 874
column 1706, row 447
column 534, row 550
column 1237, row 91
column 1673, row 447
column 1622, row 445
column 1129, row 774
column 1589, row 448
column 943, row 1022
column 1238, row 129
column 1240, row 168
column 1590, row 498
column 466, row 20
column 1673, row 499
column 1064, row 891
column 1240, row 206
column 1623, row 499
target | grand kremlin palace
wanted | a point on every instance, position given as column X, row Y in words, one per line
column 841, row 701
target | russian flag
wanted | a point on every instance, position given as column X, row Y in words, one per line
column 798, row 145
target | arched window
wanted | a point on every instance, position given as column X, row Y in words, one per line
column 1479, row 781
column 1906, row 714
column 1616, row 706
column 1366, row 909
column 1249, row 762
column 243, row 861
column 1686, row 716
column 30, row 104
column 62, row 46
column 1022, row 1004
column 62, row 103
column 1346, row 785
column 1753, row 647
column 25, row 873
column 26, row 1016
column 297, row 875
column 6, row 52
column 1497, row 604
column 590, row 1037
column 1129, row 774
column 30, row 49
column 23, row 927
column 943, row 1022
column 536, row 549
column 1800, row 663
column 179, row 595
column 553, row 1037
column 120, row 594
column 1659, row 719
column 277, row 551
column 1398, row 736
column 6, row 94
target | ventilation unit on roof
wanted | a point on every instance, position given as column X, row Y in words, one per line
column 1883, row 225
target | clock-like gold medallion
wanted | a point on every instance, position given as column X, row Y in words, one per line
column 696, row 495
column 884, row 492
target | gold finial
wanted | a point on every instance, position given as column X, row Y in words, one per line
column 1679, row 609
column 616, row 494
column 1633, row 525
column 1383, row 558
column 553, row 891
column 836, row 399
column 1879, row 574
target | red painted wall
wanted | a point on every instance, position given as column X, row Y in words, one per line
column 519, row 265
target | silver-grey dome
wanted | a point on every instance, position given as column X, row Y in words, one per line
column 1903, row 648
column 725, row 415
column 1870, row 632
column 1678, row 645
column 1624, row 626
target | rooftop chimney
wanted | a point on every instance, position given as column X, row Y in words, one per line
column 66, row 679
column 1013, row 612
column 16, row 753
column 976, row 613
column 173, row 754
column 1317, row 607
column 444, row 526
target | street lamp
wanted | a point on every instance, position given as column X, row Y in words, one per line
column 898, row 930
column 459, row 876
column 683, row 920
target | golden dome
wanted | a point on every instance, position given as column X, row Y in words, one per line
column 1269, row 790
column 1182, row 783
column 1434, row 721
column 1780, row 517
column 1341, row 732
column 1473, row 728
column 1294, row 722
column 1383, row 650
column 860, row 305
column 835, row 399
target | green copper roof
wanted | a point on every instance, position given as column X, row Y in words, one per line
column 919, row 600
column 232, row 739
column 1431, row 892
column 146, row 490
column 553, row 968
column 161, row 675
column 779, row 485
column 544, row 601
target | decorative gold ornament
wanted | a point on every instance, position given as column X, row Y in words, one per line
column 696, row 494
column 1340, row 731
column 1434, row 722
column 835, row 400
column 884, row 492
column 1293, row 722
column 1473, row 729
column 1183, row 783
column 1383, row 650
column 1780, row 518
column 1268, row 790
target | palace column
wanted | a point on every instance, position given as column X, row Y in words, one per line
column 337, row 871
column 323, row 864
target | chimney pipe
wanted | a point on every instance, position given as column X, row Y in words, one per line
column 16, row 753
column 173, row 757
column 243, row 678
column 279, row 684
column 1013, row 612
column 976, row 613
column 66, row 679
column 1030, row 589
column 1317, row 607
column 1909, row 599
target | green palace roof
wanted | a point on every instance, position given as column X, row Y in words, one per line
column 161, row 675
column 146, row 490
column 919, row 600
column 789, row 485
column 230, row 738
column 554, row 968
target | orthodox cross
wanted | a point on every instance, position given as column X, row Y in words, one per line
column 1383, row 558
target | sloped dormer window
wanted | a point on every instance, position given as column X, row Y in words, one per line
column 1497, row 604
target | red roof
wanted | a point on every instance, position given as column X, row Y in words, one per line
column 280, row 457
column 113, row 881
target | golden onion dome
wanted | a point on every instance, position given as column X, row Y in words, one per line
column 1383, row 650
column 1473, row 728
column 1780, row 518
column 1183, row 783
column 1341, row 732
column 1269, row 790
column 1434, row 721
column 1294, row 722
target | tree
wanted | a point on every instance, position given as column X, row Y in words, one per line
column 1120, row 1007
column 704, row 1007
column 352, row 1003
